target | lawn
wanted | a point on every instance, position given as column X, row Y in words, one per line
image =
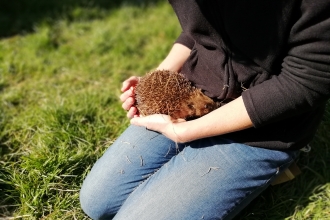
column 61, row 67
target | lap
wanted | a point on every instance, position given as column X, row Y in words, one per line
column 151, row 178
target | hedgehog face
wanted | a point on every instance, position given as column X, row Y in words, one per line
column 197, row 105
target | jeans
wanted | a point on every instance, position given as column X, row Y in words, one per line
column 146, row 176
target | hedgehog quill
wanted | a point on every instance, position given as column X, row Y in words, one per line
column 170, row 93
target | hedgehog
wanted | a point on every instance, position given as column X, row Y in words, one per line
column 170, row 93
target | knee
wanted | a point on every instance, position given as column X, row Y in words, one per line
column 93, row 202
column 88, row 202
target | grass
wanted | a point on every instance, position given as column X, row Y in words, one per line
column 61, row 67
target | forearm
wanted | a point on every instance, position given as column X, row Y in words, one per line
column 229, row 118
column 175, row 59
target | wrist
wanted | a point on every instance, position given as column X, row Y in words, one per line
column 181, row 132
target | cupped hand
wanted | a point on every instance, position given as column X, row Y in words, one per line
column 128, row 96
column 163, row 124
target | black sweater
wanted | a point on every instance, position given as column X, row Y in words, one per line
column 275, row 53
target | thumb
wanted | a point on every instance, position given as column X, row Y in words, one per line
column 178, row 120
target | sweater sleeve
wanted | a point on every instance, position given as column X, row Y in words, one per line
column 304, row 81
column 185, row 40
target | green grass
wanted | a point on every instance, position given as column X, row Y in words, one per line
column 61, row 68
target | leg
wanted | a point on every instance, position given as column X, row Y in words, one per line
column 210, row 179
column 136, row 154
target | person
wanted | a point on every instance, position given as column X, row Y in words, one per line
column 268, row 64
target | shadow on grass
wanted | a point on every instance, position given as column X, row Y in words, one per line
column 283, row 200
column 7, row 202
column 7, row 191
column 21, row 16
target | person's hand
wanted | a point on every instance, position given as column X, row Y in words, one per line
column 163, row 124
column 127, row 96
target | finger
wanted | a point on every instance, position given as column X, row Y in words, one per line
column 139, row 121
column 178, row 120
column 132, row 81
column 132, row 113
column 151, row 121
column 128, row 103
column 125, row 95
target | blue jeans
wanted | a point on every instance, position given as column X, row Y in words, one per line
column 146, row 176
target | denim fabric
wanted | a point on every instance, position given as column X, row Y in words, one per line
column 146, row 176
